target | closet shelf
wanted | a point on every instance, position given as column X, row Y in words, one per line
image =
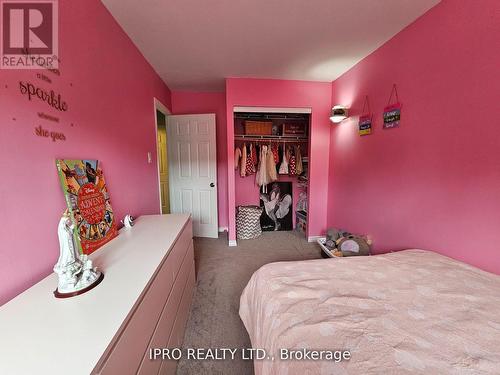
column 271, row 138
column 272, row 116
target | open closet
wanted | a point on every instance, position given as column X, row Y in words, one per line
column 271, row 171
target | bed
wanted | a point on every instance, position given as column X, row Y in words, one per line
column 412, row 311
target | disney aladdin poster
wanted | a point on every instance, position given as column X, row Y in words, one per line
column 88, row 202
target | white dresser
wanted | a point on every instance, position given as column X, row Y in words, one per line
column 143, row 302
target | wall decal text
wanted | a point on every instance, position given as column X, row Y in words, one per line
column 56, row 136
column 50, row 98
column 45, row 116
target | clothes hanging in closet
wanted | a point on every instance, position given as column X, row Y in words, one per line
column 298, row 162
column 243, row 160
column 266, row 172
column 292, row 170
column 250, row 167
column 237, row 156
column 271, row 167
column 284, row 162
column 274, row 148
column 254, row 157
column 261, row 177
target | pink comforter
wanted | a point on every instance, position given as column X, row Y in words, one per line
column 412, row 311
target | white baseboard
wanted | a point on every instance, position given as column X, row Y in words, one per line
column 223, row 229
column 314, row 238
column 232, row 243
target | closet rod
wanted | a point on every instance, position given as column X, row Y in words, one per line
column 271, row 140
column 273, row 137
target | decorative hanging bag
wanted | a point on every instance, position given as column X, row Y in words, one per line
column 392, row 113
column 365, row 120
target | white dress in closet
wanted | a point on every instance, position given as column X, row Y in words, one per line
column 262, row 177
column 284, row 162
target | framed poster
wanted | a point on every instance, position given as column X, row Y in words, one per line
column 277, row 203
column 88, row 202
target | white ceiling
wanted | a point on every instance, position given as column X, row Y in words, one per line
column 195, row 44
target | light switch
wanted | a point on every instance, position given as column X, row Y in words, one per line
column 149, row 158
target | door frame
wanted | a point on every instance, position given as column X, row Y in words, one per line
column 159, row 106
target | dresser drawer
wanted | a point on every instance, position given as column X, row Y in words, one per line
column 127, row 353
column 184, row 241
column 168, row 367
column 168, row 316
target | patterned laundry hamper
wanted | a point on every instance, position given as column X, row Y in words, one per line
column 248, row 222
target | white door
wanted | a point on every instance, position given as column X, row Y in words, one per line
column 192, row 161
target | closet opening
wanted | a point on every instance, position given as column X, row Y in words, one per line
column 271, row 171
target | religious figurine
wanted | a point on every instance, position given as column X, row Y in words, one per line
column 75, row 270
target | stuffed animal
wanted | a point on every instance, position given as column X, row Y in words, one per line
column 342, row 243
column 332, row 236
column 353, row 245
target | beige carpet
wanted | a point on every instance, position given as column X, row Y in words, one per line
column 222, row 273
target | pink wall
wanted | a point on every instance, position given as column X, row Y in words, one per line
column 433, row 183
column 210, row 102
column 280, row 93
column 109, row 88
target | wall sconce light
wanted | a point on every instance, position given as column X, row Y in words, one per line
column 339, row 113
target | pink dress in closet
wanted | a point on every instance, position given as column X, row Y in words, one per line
column 237, row 156
column 243, row 161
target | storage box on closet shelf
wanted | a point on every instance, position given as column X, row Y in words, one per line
column 258, row 128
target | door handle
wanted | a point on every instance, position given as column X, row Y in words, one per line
column 212, row 184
